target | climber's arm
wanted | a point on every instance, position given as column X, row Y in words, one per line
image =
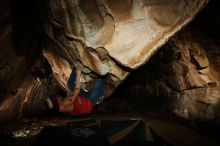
column 67, row 104
column 76, row 91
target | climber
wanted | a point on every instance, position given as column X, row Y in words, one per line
column 78, row 101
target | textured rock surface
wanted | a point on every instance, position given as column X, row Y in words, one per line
column 108, row 38
column 194, row 78
column 117, row 35
column 186, row 74
column 24, row 82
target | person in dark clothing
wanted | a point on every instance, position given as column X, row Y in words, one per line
column 78, row 101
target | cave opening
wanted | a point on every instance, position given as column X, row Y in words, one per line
column 172, row 93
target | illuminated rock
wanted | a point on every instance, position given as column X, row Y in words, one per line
column 110, row 37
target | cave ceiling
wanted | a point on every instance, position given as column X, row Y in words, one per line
column 107, row 38
column 111, row 37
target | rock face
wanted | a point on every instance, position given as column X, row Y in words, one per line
column 116, row 37
column 197, row 77
column 186, row 75
column 193, row 77
column 24, row 80
column 107, row 38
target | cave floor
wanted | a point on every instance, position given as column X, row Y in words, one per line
column 173, row 130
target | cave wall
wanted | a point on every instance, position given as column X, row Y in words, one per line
column 183, row 76
column 115, row 39
column 25, row 81
column 194, row 77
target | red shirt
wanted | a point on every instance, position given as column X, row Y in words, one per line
column 82, row 105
